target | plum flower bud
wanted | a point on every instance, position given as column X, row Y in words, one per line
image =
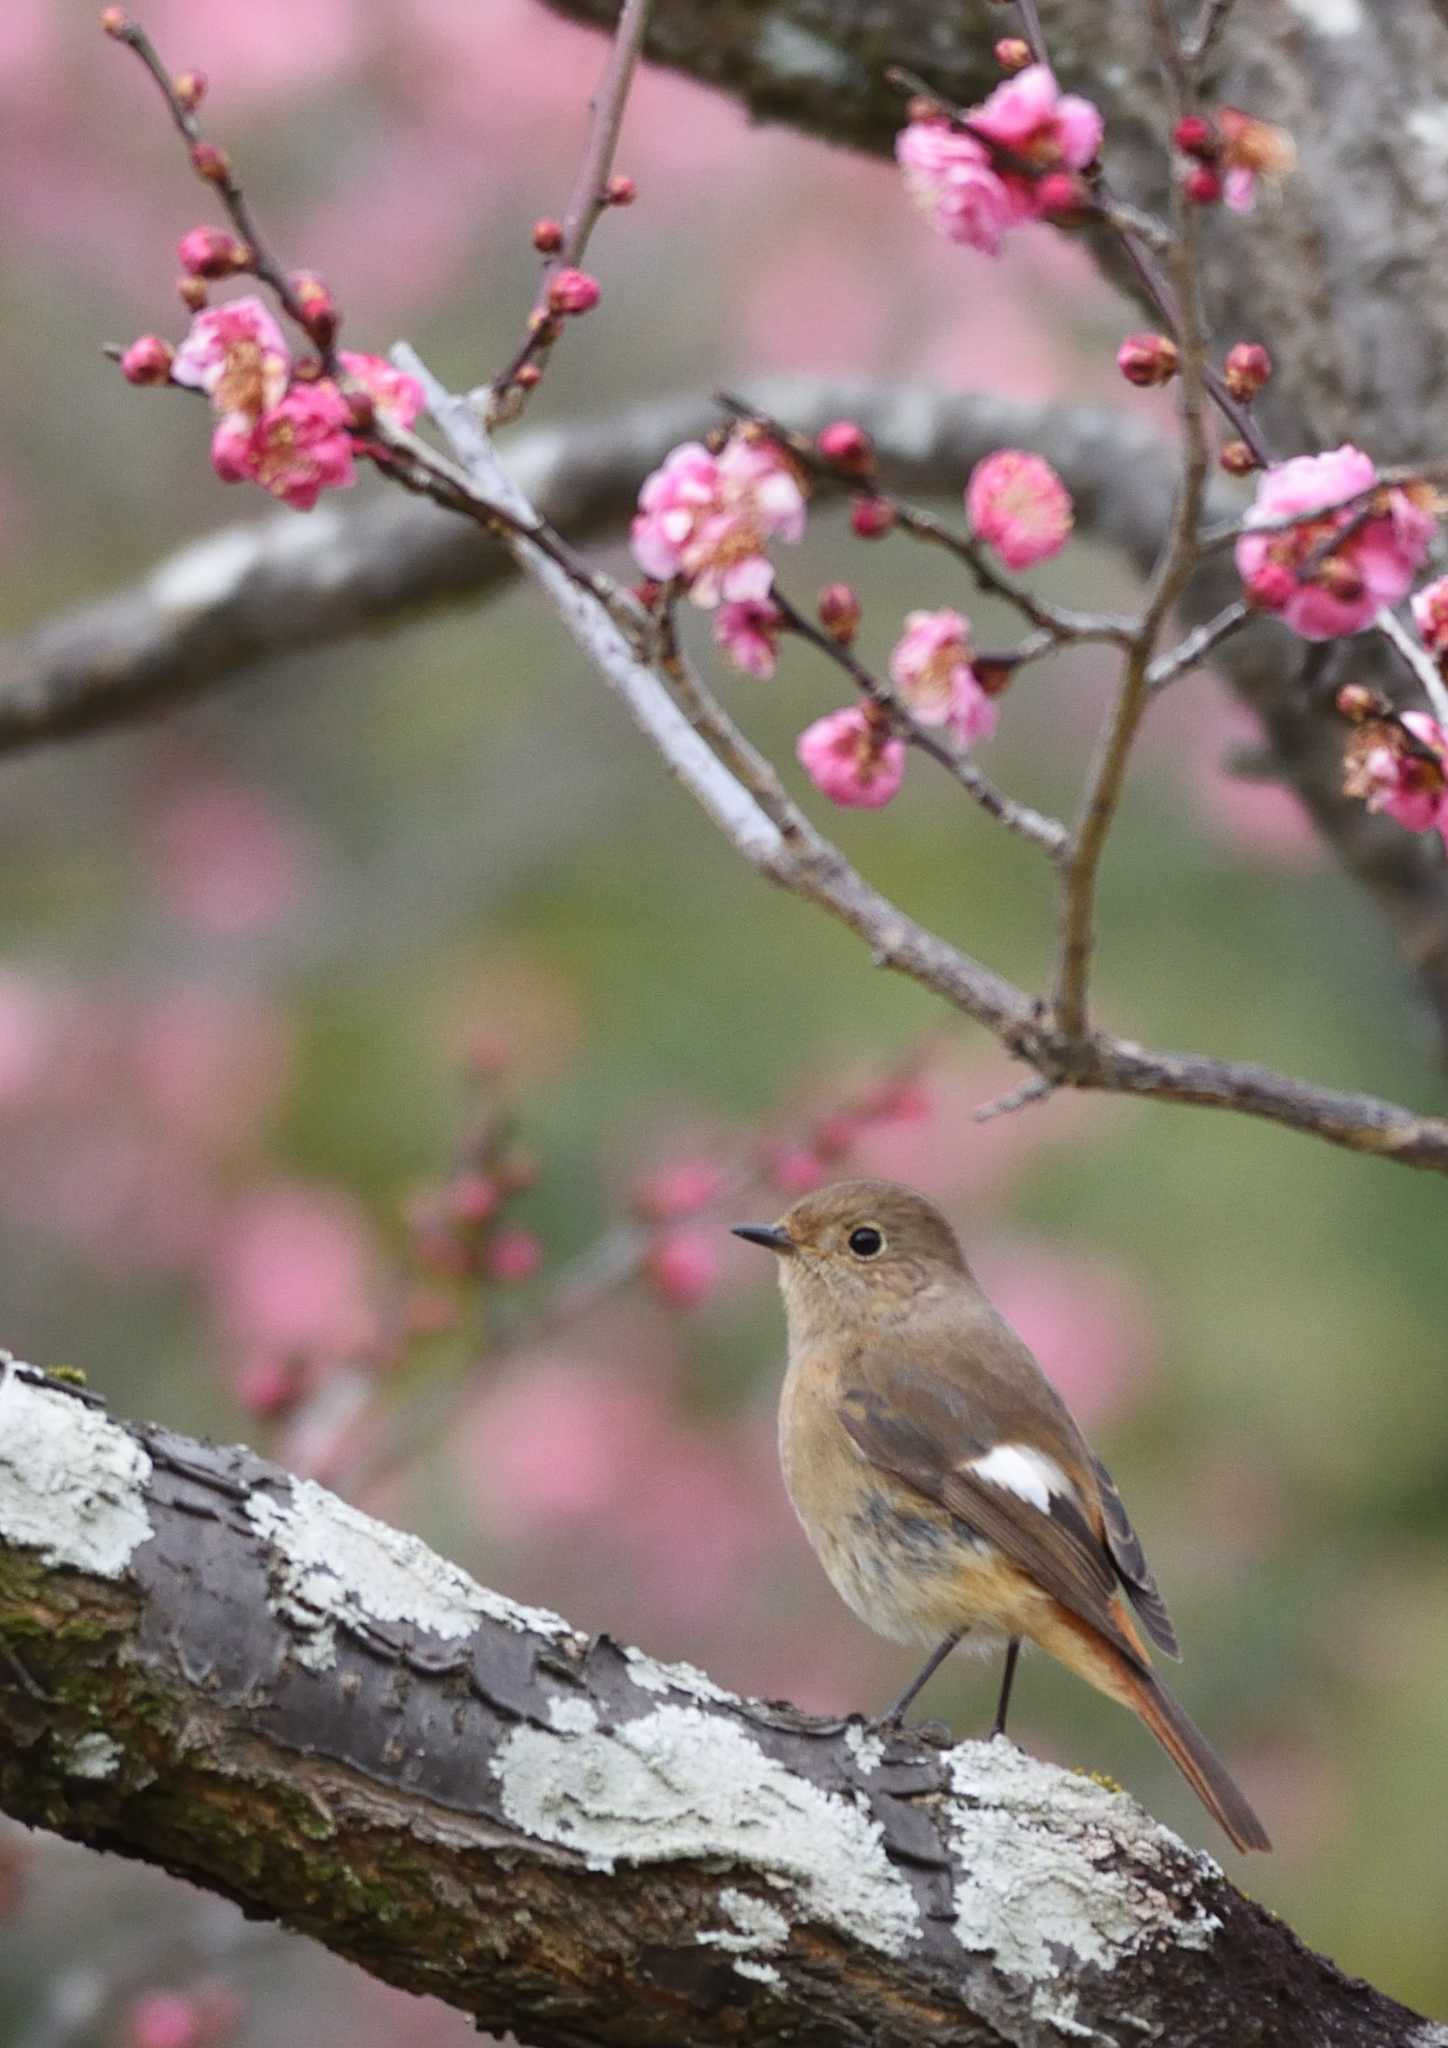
column 1324, row 590
column 268, row 1385
column 1194, row 135
column 191, row 291
column 1018, row 505
column 846, row 445
column 1356, row 702
column 839, row 610
column 547, row 236
column 190, row 89
column 212, row 252
column 620, row 190
column 210, row 163
column 852, row 758
column 319, row 308
column 1247, row 369
column 1236, row 458
column 871, row 517
column 513, row 1256
column 930, row 668
column 1147, row 359
column 1012, row 53
column 683, row 1267
column 1430, row 616
column 148, row 360
column 573, row 291
column 1202, row 186
column 747, row 633
column 472, row 1198
column 115, row 21
column 1059, row 195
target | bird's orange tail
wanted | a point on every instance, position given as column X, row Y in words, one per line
column 1197, row 1761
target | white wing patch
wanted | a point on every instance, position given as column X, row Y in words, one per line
column 1027, row 1473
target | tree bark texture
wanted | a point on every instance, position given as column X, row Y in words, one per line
column 220, row 1669
column 1338, row 271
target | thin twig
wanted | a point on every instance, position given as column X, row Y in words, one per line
column 1194, row 647
column 1202, row 41
column 1419, row 660
column 506, row 397
column 1037, row 1089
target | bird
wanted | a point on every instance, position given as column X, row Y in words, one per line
column 944, row 1483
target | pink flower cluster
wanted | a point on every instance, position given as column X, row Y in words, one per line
column 289, row 433
column 708, row 519
column 1014, row 163
column 1019, row 506
column 930, row 667
column 1430, row 616
column 1321, row 590
column 1401, row 767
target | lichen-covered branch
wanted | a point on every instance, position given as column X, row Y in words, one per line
column 214, row 1667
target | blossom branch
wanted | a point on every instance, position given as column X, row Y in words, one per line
column 505, row 398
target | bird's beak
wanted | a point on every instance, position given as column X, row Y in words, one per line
column 773, row 1236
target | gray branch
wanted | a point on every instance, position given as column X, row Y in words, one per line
column 215, row 1667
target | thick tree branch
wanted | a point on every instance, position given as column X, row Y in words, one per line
column 211, row 1666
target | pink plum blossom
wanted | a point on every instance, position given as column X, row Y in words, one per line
column 1051, row 131
column 748, row 633
column 851, row 759
column 930, row 667
column 297, row 450
column 949, row 177
column 295, row 1274
column 514, row 1256
column 707, row 519
column 227, row 860
column 163, row 2019
column 681, row 1189
column 1320, row 595
column 797, row 1170
column 395, row 394
column 1430, row 615
column 237, row 355
column 1402, row 772
column 1018, row 505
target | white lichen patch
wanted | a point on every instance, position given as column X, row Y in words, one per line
column 759, row 1928
column 682, row 1784
column 762, row 1973
column 72, row 1482
column 865, row 1747
column 1430, row 2035
column 93, row 1756
column 572, row 1716
column 1330, row 17
column 651, row 1675
column 1048, row 1862
column 333, row 1565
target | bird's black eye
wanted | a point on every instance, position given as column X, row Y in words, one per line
column 866, row 1242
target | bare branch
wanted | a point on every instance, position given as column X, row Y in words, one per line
column 235, row 1676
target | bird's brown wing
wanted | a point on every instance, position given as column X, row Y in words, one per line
column 1130, row 1561
column 925, row 1434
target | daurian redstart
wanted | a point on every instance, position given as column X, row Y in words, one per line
column 941, row 1478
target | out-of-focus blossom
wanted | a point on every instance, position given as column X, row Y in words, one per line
column 1249, row 149
column 237, row 355
column 211, row 1061
column 1085, row 1316
column 797, row 1170
column 1322, row 595
column 473, row 1198
column 513, row 1256
column 1430, row 616
column 396, row 395
column 681, row 1189
column 748, row 633
column 852, row 759
column 1041, row 126
column 1401, row 771
column 259, row 49
column 1019, row 506
column 227, row 860
column 930, row 667
column 25, row 1037
column 839, row 609
column 297, row 450
column 949, row 176
column 211, row 252
column 560, row 1441
column 294, row 1274
column 871, row 517
column 269, row 1384
column 683, row 1266
column 709, row 518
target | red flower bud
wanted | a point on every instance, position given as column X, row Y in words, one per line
column 1012, row 53
column 147, row 360
column 1147, row 359
column 192, row 292
column 1059, row 193
column 115, row 20
column 846, row 445
column 210, row 163
column 528, row 377
column 573, row 291
column 1203, row 186
column 871, row 517
column 620, row 190
column 190, row 89
column 319, row 308
column 839, row 609
column 547, row 236
column 1248, row 368
column 1236, row 458
column 1194, row 135
column 212, row 252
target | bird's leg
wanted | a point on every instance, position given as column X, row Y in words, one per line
column 1008, row 1679
column 893, row 1716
